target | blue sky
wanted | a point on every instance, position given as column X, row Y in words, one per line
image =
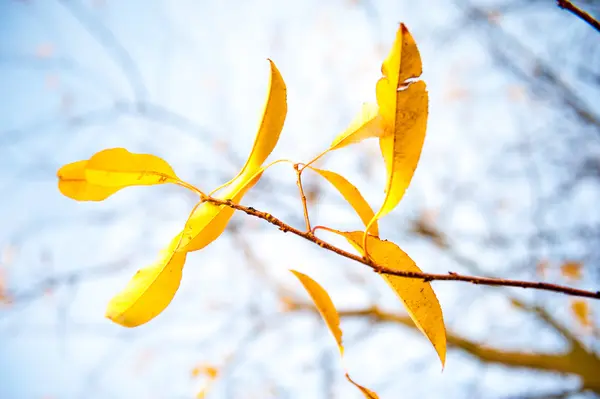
column 186, row 81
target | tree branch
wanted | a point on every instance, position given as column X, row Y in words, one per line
column 569, row 6
column 451, row 276
column 572, row 361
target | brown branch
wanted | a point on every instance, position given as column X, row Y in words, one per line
column 451, row 276
column 569, row 6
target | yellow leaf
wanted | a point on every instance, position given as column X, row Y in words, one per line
column 330, row 314
column 365, row 391
column 325, row 306
column 209, row 221
column 73, row 184
column 365, row 125
column 150, row 290
column 403, row 107
column 273, row 118
column 402, row 150
column 117, row 167
column 582, row 312
column 571, row 270
column 403, row 62
column 417, row 296
column 351, row 195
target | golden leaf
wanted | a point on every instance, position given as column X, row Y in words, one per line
column 403, row 107
column 150, row 290
column 402, row 150
column 73, row 184
column 330, row 314
column 418, row 297
column 571, row 270
column 209, row 221
column 365, row 125
column 582, row 312
column 325, row 306
column 352, row 196
column 117, row 167
column 271, row 124
column 365, row 391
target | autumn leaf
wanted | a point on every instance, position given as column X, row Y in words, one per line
column 571, row 270
column 325, row 306
column 117, row 167
column 72, row 183
column 330, row 315
column 403, row 106
column 582, row 312
column 365, row 125
column 418, row 297
column 210, row 220
column 150, row 290
column 351, row 195
column 368, row 394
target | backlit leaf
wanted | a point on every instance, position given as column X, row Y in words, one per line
column 325, row 306
column 402, row 150
column 73, row 184
column 209, row 221
column 351, row 195
column 150, row 290
column 403, row 107
column 365, row 125
column 402, row 62
column 117, row 167
column 417, row 296
column 271, row 124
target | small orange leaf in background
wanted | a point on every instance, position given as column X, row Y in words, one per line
column 351, row 195
column 582, row 312
column 541, row 268
column 204, row 369
column 4, row 296
column 571, row 270
column 418, row 297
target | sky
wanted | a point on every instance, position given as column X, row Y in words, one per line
column 186, row 81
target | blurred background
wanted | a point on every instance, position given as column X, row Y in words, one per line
column 508, row 185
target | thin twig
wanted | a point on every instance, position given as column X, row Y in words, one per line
column 299, row 170
column 569, row 6
column 451, row 276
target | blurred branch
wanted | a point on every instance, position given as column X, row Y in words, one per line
column 569, row 6
column 569, row 362
column 451, row 276
column 106, row 38
column 500, row 40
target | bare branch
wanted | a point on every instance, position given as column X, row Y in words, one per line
column 569, row 6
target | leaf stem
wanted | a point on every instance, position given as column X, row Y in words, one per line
column 299, row 170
